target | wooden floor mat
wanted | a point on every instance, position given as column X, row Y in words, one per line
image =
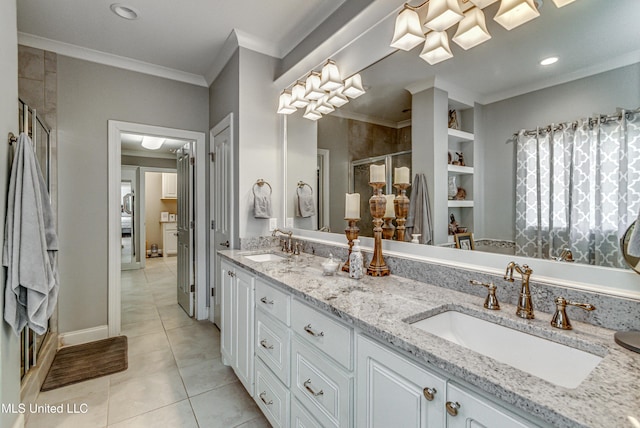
column 87, row 361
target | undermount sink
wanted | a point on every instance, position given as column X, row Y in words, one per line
column 559, row 364
column 265, row 257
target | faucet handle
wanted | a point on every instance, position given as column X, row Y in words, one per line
column 560, row 319
column 491, row 302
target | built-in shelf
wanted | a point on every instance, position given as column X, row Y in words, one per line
column 458, row 135
column 457, row 169
column 460, row 204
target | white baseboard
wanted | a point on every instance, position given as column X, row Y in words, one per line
column 79, row 337
column 19, row 423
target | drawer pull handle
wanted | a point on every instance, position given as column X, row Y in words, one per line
column 452, row 407
column 266, row 302
column 307, row 385
column 265, row 345
column 429, row 393
column 309, row 330
column 262, row 395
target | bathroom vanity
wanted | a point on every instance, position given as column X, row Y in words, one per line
column 316, row 350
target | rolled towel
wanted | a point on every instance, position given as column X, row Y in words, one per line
column 634, row 240
column 261, row 202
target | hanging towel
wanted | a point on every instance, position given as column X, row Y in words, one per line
column 304, row 204
column 261, row 201
column 419, row 218
column 30, row 245
column 634, row 240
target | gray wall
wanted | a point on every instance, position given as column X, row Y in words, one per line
column 599, row 94
column 9, row 348
column 89, row 95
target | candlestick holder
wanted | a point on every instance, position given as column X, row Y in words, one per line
column 377, row 205
column 352, row 232
column 401, row 208
column 388, row 229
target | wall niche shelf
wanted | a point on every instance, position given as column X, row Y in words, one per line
column 457, row 169
column 460, row 204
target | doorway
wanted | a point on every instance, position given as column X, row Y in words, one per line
column 115, row 131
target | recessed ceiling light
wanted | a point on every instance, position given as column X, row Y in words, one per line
column 152, row 143
column 124, row 11
column 549, row 61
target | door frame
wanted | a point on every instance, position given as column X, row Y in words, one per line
column 115, row 129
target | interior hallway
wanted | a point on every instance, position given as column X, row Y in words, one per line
column 175, row 376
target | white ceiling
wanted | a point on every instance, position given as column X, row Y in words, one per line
column 182, row 35
column 131, row 145
column 589, row 36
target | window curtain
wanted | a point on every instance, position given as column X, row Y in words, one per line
column 578, row 187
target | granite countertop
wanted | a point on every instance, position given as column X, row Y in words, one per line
column 608, row 397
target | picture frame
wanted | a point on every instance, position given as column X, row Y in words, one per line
column 172, row 217
column 164, row 216
column 464, row 241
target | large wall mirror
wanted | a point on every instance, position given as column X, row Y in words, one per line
column 496, row 90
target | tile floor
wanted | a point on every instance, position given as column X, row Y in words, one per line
column 175, row 376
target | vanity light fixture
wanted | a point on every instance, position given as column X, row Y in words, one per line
column 337, row 98
column 311, row 113
column 472, row 30
column 561, row 3
column 313, row 91
column 124, row 11
column 443, row 14
column 323, row 106
column 297, row 95
column 513, row 13
column 436, row 47
column 330, row 77
column 549, row 61
column 483, row 3
column 353, row 86
column 152, row 143
column 284, row 106
column 408, row 31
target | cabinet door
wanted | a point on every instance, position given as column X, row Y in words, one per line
column 226, row 312
column 392, row 391
column 243, row 335
column 170, row 239
column 169, row 185
column 475, row 412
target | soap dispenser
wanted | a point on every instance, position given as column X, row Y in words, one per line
column 356, row 262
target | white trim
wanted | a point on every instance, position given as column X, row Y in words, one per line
column 115, row 129
column 99, row 57
column 326, row 172
column 141, row 154
column 79, row 337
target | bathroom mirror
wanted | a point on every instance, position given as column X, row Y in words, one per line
column 496, row 89
column 632, row 261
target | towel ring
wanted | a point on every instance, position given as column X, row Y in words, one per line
column 12, row 138
column 261, row 183
column 302, row 184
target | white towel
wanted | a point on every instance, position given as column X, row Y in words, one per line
column 30, row 245
column 261, row 202
column 633, row 249
column 304, row 204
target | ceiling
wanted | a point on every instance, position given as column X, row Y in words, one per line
column 131, row 145
column 588, row 36
column 185, row 36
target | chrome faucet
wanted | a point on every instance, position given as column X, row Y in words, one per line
column 525, row 304
column 560, row 318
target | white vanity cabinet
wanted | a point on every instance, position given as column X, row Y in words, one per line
column 393, row 391
column 169, row 238
column 237, row 318
column 169, row 185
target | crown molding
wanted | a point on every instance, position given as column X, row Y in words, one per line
column 104, row 58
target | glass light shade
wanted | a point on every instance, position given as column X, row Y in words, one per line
column 312, row 87
column 330, row 77
column 152, row 143
column 353, row 86
column 284, row 106
column 311, row 112
column 513, row 13
column 408, row 31
column 472, row 30
column 442, row 14
column 436, row 48
column 297, row 95
column 337, row 98
column 483, row 3
column 560, row 3
column 323, row 106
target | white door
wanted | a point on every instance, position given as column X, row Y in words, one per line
column 185, row 223
column 220, row 206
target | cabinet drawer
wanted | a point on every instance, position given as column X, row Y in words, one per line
column 300, row 417
column 272, row 397
column 273, row 301
column 332, row 337
column 322, row 386
column 273, row 346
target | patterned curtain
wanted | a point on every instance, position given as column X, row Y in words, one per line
column 578, row 187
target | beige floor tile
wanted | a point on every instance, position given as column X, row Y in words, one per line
column 141, row 345
column 174, row 415
column 142, row 327
column 260, row 422
column 206, row 375
column 194, row 343
column 143, row 394
column 145, row 364
column 173, row 316
column 233, row 407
